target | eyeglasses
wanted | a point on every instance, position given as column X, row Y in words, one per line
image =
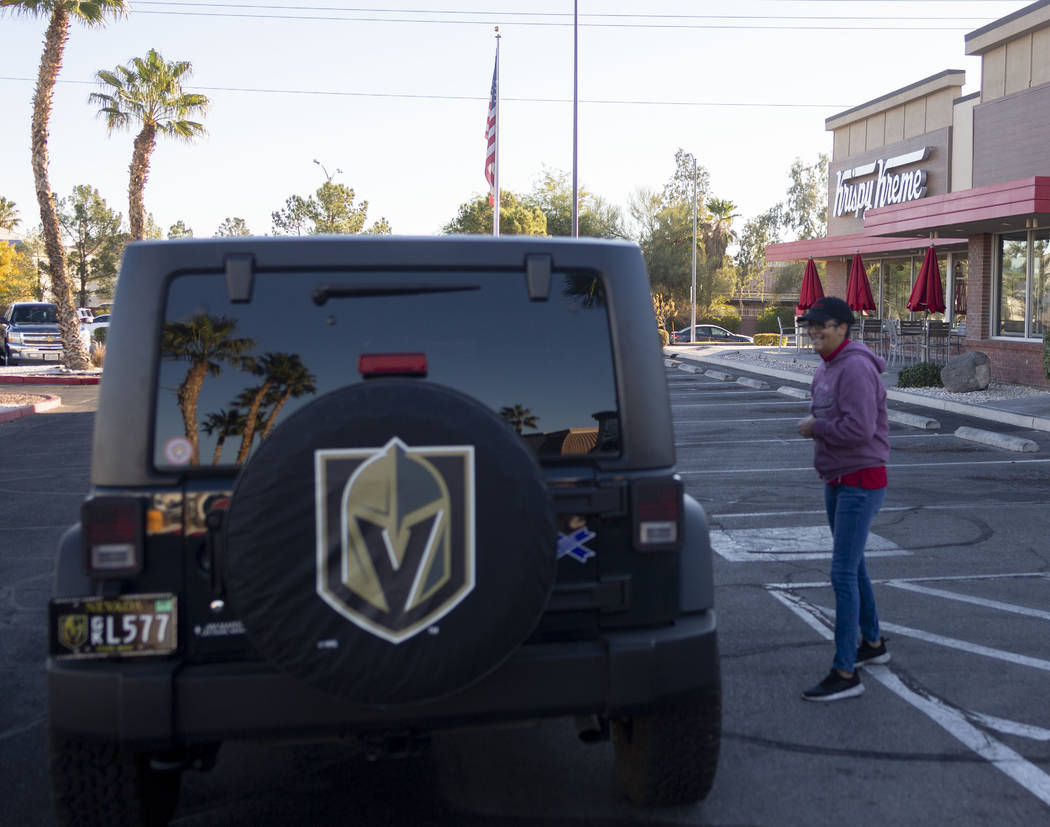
column 817, row 326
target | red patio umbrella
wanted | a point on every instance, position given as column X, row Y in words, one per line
column 811, row 289
column 928, row 294
column 858, row 288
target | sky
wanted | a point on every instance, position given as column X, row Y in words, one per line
column 392, row 99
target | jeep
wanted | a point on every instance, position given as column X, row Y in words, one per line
column 377, row 487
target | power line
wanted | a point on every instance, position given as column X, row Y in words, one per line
column 411, row 96
column 505, row 14
column 718, row 26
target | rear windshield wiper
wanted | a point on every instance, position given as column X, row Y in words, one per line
column 324, row 292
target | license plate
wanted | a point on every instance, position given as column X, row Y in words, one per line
column 52, row 357
column 131, row 625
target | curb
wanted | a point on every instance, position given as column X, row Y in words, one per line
column 913, row 420
column 1035, row 423
column 49, row 380
column 1005, row 441
column 48, row 403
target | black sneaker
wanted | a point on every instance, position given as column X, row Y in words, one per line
column 868, row 654
column 835, row 687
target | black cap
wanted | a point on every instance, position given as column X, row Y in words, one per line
column 829, row 309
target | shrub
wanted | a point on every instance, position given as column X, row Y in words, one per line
column 1046, row 353
column 921, row 375
column 100, row 335
column 98, row 355
column 730, row 321
column 664, row 336
column 767, row 319
column 767, row 339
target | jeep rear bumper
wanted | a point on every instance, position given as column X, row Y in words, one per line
column 163, row 704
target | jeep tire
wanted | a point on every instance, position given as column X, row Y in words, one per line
column 322, row 632
column 95, row 783
column 668, row 756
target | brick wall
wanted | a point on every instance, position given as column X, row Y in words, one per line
column 835, row 278
column 1019, row 363
column 1016, row 362
column 979, row 287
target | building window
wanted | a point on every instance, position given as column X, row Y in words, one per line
column 960, row 270
column 898, row 281
column 1022, row 288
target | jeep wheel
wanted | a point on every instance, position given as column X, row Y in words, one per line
column 669, row 756
column 391, row 542
column 100, row 784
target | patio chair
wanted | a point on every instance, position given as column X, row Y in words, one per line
column 938, row 342
column 788, row 335
column 912, row 339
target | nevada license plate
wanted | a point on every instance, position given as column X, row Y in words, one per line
column 52, row 357
column 126, row 626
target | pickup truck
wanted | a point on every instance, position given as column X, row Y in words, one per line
column 30, row 333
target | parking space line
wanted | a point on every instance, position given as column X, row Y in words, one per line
column 749, row 545
column 923, row 465
column 956, row 722
column 966, row 598
column 949, row 507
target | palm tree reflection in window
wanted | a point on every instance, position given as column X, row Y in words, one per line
column 205, row 342
column 588, row 287
column 285, row 376
column 519, row 416
column 224, row 424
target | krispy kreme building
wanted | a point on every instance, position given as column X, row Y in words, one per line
column 968, row 174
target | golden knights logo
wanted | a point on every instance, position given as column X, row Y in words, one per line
column 73, row 631
column 395, row 534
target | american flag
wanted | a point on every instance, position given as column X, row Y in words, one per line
column 490, row 136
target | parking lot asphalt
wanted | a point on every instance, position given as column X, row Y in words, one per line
column 1031, row 411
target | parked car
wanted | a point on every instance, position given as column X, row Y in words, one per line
column 84, row 315
column 710, row 333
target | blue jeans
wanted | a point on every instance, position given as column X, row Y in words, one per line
column 851, row 510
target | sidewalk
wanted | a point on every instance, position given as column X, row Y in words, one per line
column 1029, row 411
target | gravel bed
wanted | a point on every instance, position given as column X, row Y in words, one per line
column 17, row 400
column 995, row 391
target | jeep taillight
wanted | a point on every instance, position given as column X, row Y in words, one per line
column 113, row 531
column 371, row 365
column 657, row 514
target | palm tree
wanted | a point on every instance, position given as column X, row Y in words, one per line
column 719, row 229
column 61, row 14
column 8, row 214
column 149, row 92
column 205, row 341
column 224, row 423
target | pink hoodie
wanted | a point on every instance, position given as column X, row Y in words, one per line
column 851, row 431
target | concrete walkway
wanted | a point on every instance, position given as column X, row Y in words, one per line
column 792, row 365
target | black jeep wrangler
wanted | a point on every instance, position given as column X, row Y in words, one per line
column 374, row 487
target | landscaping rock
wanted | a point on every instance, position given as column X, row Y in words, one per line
column 970, row 371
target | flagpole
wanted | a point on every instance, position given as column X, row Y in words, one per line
column 495, row 207
column 575, row 125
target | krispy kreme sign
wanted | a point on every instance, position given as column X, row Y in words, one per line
column 876, row 184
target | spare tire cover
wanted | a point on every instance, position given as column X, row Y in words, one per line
column 391, row 542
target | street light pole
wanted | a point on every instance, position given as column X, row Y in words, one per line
column 692, row 288
column 575, row 119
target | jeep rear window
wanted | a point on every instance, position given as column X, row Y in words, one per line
column 544, row 366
